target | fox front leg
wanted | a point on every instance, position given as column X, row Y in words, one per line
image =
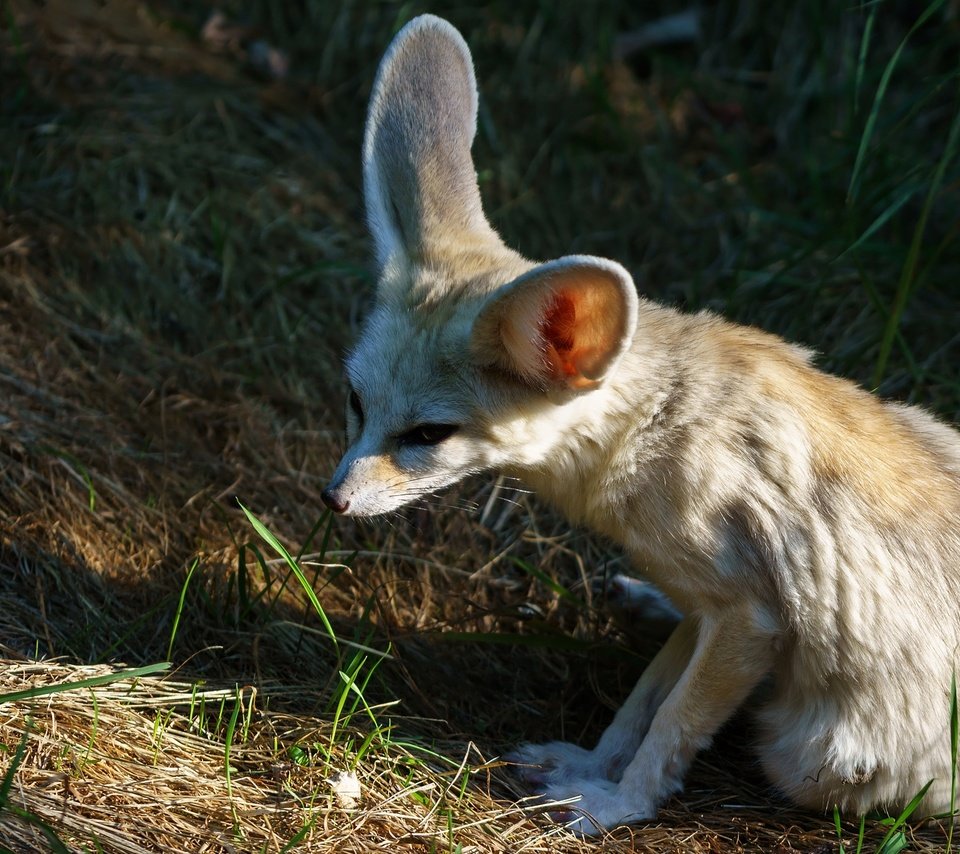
column 732, row 654
column 544, row 766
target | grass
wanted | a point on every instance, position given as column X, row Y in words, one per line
column 183, row 262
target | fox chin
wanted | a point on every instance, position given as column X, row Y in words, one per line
column 808, row 531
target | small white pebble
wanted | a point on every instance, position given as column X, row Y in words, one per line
column 346, row 787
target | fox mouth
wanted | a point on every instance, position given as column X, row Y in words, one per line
column 347, row 504
column 348, row 497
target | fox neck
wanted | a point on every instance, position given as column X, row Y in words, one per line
column 601, row 441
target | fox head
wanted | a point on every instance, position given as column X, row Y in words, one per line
column 473, row 357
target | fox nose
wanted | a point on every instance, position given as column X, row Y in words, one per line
column 337, row 505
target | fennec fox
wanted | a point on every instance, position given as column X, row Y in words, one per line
column 808, row 531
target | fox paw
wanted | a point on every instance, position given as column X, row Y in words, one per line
column 601, row 806
column 554, row 764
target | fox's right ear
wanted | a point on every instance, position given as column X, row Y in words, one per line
column 564, row 324
column 420, row 188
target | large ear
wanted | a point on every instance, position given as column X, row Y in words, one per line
column 563, row 324
column 419, row 182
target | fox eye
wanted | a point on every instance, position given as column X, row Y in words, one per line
column 355, row 405
column 427, row 434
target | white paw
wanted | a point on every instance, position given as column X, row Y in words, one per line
column 554, row 764
column 602, row 806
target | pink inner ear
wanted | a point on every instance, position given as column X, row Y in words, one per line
column 556, row 327
column 559, row 328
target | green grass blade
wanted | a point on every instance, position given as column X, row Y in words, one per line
column 179, row 613
column 908, row 272
column 92, row 682
column 278, row 547
column 268, row 579
column 227, row 748
column 894, row 844
column 895, row 841
column 299, row 836
column 888, row 213
column 243, row 585
column 326, row 517
column 7, row 782
column 841, row 849
column 870, row 127
column 861, row 833
column 347, row 683
column 542, row 577
column 862, row 57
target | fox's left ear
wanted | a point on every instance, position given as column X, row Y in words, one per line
column 563, row 324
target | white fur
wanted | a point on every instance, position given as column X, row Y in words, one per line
column 808, row 531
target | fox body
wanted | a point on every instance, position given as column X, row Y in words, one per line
column 807, row 530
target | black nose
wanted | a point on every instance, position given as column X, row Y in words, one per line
column 335, row 504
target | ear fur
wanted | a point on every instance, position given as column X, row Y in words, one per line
column 564, row 324
column 419, row 182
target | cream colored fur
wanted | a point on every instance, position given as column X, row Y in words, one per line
column 808, row 531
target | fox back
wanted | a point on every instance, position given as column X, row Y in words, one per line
column 807, row 530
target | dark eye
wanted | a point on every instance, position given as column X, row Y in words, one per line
column 427, row 434
column 355, row 404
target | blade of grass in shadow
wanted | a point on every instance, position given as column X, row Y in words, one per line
column 19, row 52
column 92, row 682
column 264, row 565
column 179, row 613
column 542, row 577
column 278, row 547
column 888, row 214
column 870, row 126
column 908, row 274
column 862, row 57
column 327, row 517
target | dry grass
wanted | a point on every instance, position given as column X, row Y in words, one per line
column 181, row 266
